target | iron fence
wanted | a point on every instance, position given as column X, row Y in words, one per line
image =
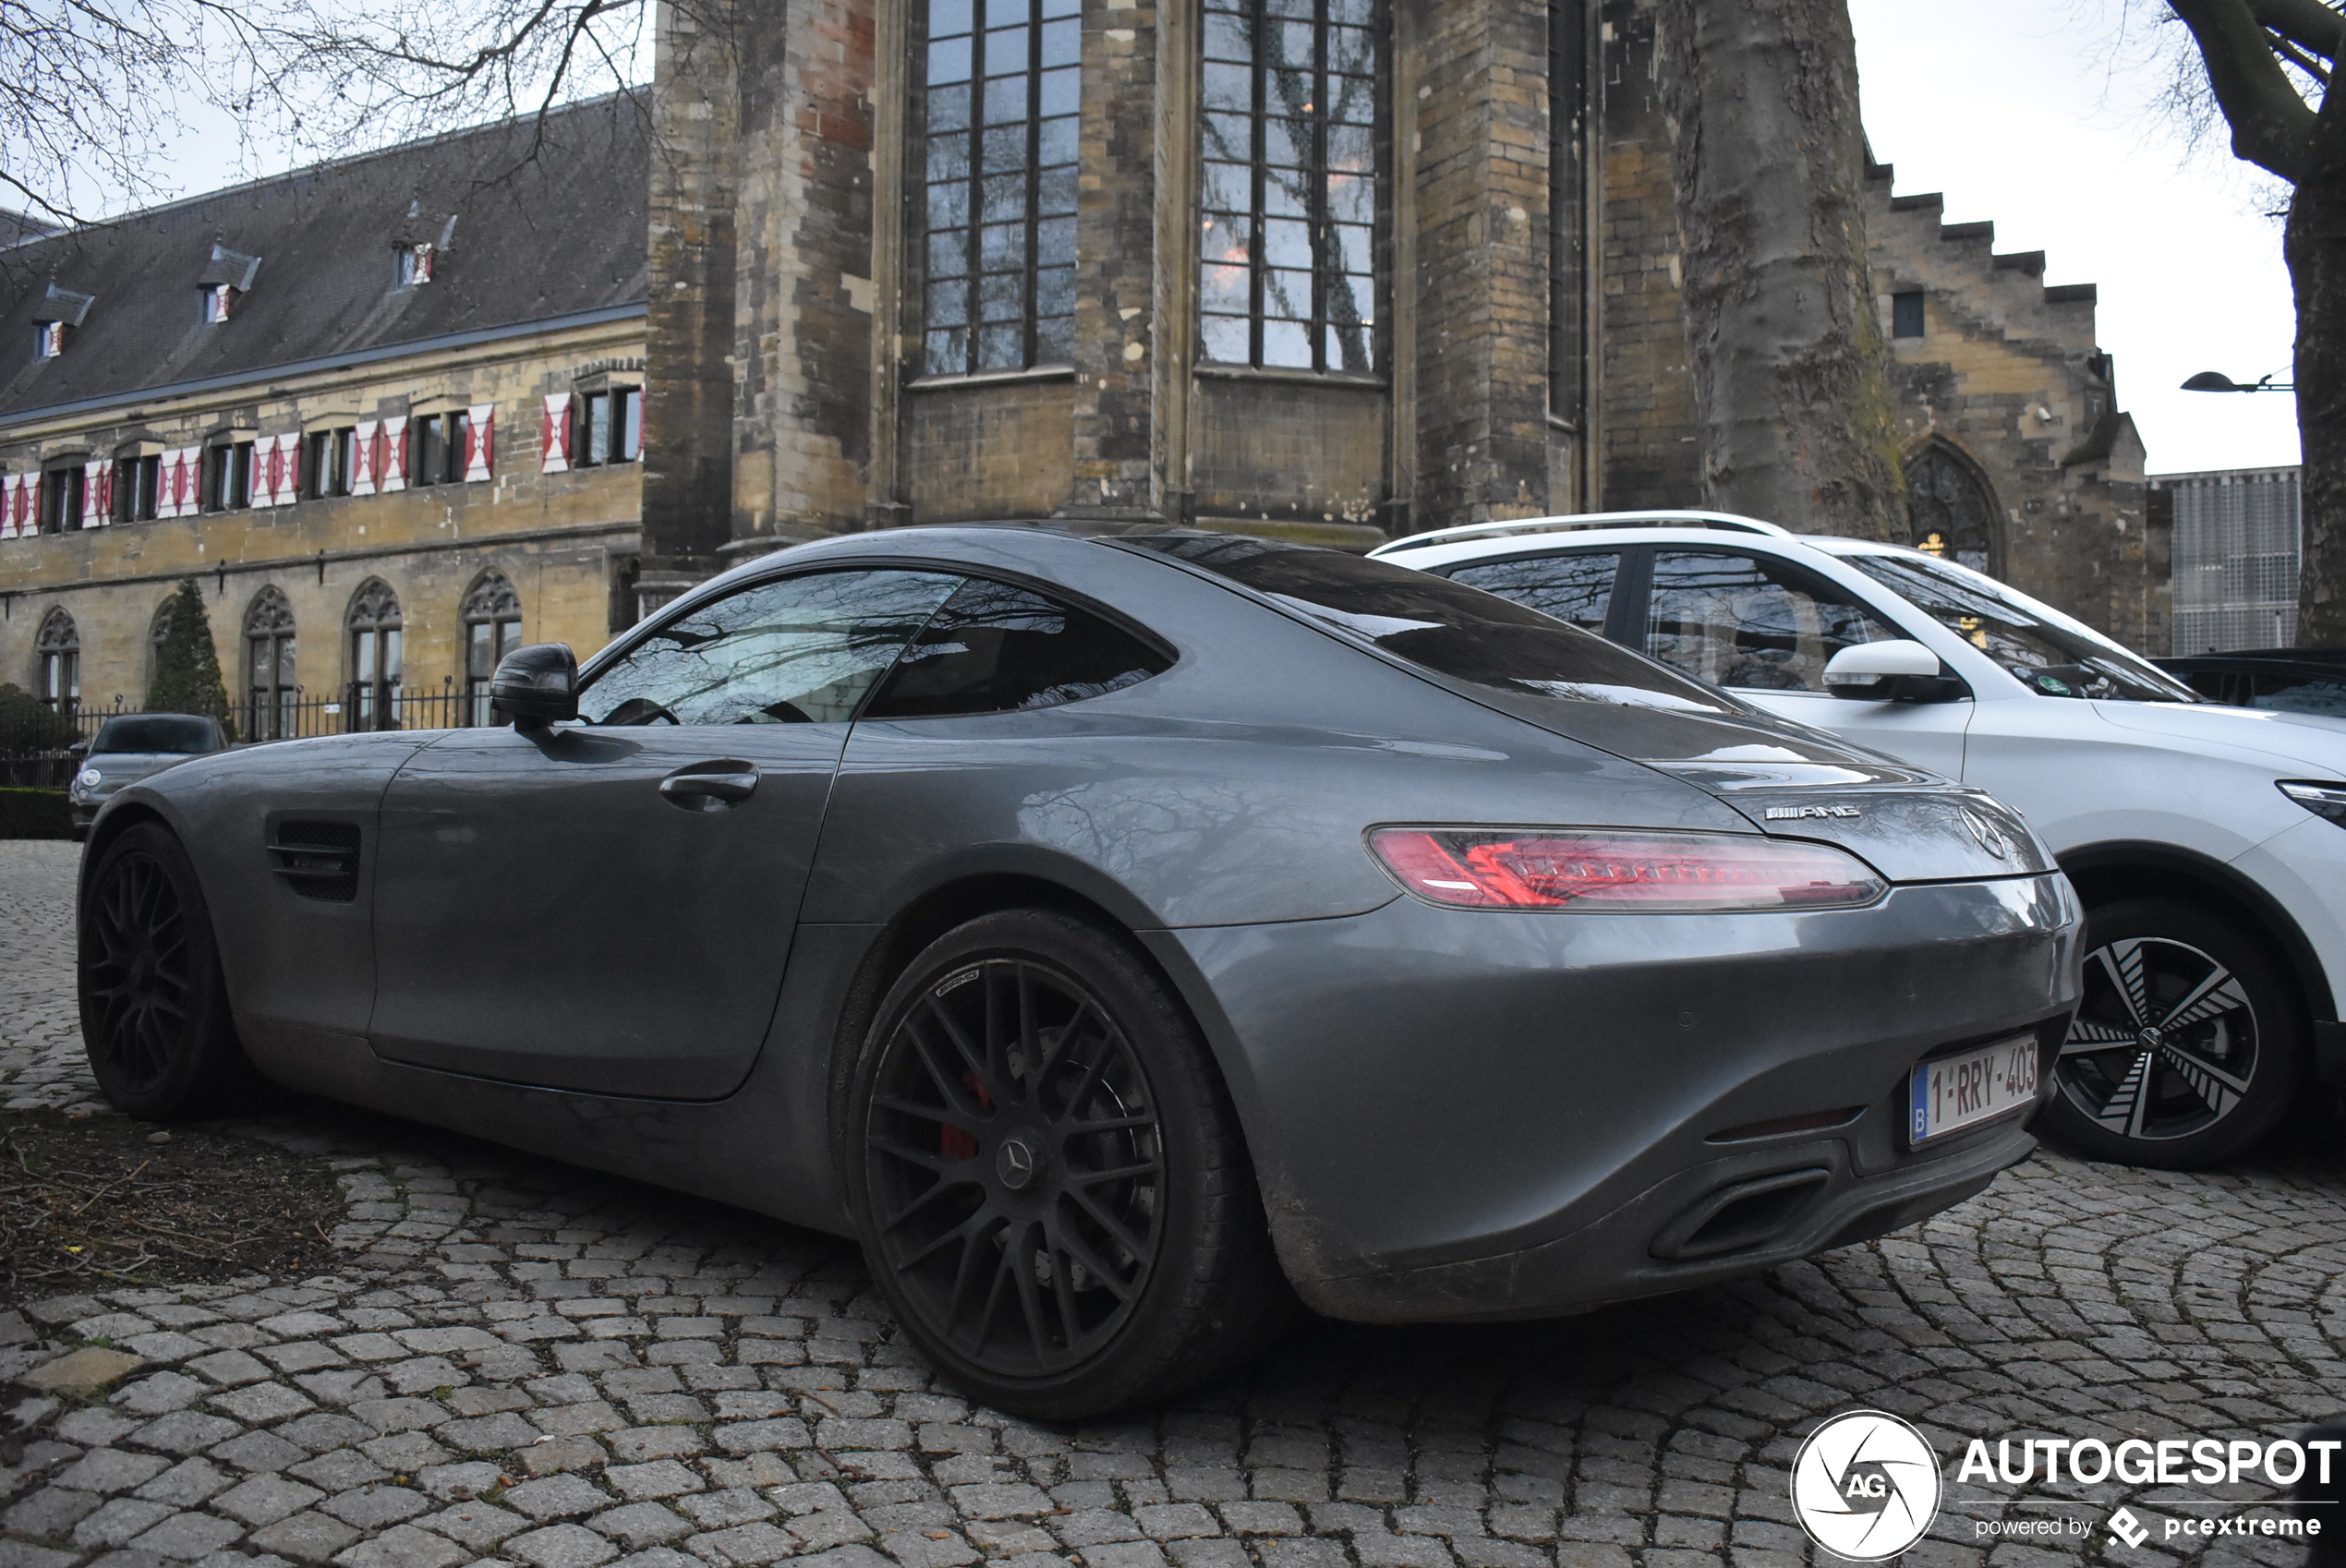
column 38, row 743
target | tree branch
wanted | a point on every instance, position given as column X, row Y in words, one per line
column 2309, row 63
column 2270, row 120
column 2309, row 24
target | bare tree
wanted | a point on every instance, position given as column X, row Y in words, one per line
column 2269, row 66
column 1792, row 376
column 92, row 91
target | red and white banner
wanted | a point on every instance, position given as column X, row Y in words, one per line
column 362, row 458
column 553, row 435
column 12, row 488
column 180, row 482
column 97, row 493
column 276, row 466
column 481, row 442
column 390, row 472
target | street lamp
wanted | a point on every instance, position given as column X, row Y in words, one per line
column 2217, row 381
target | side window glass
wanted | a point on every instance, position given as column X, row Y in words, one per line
column 1744, row 621
column 994, row 648
column 2282, row 696
column 800, row 650
column 1574, row 588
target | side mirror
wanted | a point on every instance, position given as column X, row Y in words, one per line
column 79, row 748
column 536, row 686
column 1893, row 672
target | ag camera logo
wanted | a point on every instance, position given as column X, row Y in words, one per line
column 1866, row 1486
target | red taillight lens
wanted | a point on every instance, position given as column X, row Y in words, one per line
column 1656, row 873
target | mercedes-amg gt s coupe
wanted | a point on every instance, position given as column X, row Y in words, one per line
column 1124, row 936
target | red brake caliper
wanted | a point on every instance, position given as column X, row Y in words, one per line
column 951, row 1142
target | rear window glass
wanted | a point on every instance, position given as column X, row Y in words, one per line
column 997, row 649
column 157, row 732
column 1440, row 625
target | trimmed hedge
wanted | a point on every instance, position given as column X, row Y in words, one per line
column 34, row 814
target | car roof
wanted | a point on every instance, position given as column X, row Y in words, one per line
column 1445, row 546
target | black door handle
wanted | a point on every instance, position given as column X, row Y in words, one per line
column 712, row 791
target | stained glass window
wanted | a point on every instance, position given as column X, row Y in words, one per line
column 1001, row 88
column 1291, row 184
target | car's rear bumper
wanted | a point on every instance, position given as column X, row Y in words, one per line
column 1463, row 1114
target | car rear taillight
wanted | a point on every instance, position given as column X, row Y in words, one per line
column 1653, row 872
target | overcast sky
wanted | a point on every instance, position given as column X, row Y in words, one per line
column 2040, row 116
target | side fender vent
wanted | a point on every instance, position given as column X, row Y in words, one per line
column 318, row 860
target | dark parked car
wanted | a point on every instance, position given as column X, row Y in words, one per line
column 1122, row 936
column 2279, row 679
column 131, row 746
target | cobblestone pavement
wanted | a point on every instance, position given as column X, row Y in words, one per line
column 524, row 1364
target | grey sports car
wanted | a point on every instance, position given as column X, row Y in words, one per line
column 129, row 747
column 1122, row 936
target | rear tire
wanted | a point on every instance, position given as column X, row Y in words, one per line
column 154, row 1006
column 2190, row 1044
column 1048, row 1178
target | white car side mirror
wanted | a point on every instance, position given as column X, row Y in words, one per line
column 1897, row 671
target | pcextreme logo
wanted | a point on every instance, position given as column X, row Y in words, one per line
column 1866, row 1486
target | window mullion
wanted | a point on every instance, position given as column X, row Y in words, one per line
column 1258, row 153
column 973, row 282
column 1029, row 307
column 1316, row 199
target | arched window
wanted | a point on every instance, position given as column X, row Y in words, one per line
column 1950, row 508
column 373, row 627
column 493, row 630
column 59, row 647
column 272, row 693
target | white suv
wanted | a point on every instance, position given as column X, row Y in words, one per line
column 2208, row 843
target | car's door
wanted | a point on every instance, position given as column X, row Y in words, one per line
column 1765, row 628
column 608, row 906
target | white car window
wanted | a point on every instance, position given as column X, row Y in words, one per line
column 1576, row 589
column 2046, row 651
column 1750, row 622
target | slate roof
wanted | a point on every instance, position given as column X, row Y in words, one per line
column 537, row 237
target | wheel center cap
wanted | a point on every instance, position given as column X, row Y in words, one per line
column 142, row 968
column 2150, row 1040
column 1017, row 1163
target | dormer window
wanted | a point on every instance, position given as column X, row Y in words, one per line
column 415, row 264
column 226, row 275
column 61, row 308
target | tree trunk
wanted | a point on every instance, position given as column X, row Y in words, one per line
column 2317, row 250
column 1791, row 371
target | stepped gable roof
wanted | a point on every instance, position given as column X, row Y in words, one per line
column 527, row 234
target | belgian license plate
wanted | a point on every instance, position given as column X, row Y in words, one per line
column 1949, row 1094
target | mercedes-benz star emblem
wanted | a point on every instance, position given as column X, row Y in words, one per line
column 1014, row 1162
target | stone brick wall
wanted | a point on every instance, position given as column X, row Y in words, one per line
column 1648, row 451
column 1480, row 194
column 2007, row 373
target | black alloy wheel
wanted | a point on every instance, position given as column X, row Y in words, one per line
column 1049, row 1180
column 155, row 1009
column 2187, row 1045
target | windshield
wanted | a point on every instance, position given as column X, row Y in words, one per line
column 1445, row 627
column 2044, row 650
column 179, row 733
